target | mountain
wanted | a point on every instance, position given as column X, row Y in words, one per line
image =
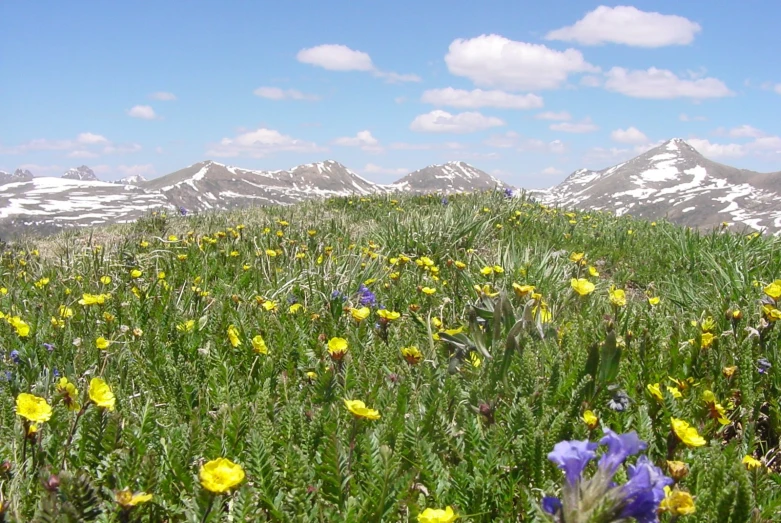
column 675, row 181
column 447, row 178
column 211, row 185
column 83, row 173
column 134, row 179
column 19, row 175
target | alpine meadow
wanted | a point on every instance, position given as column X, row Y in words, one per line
column 476, row 356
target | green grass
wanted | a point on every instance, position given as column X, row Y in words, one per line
column 451, row 432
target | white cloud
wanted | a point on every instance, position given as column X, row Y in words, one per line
column 603, row 154
column 574, row 127
column 122, row 148
column 400, row 99
column 163, row 96
column 142, row 111
column 129, row 170
column 770, row 144
column 686, row 118
column 717, row 150
column 552, row 171
column 478, row 98
column 561, row 116
column 629, row 135
column 438, row 121
column 777, row 88
column 43, row 170
column 82, row 154
column 275, row 93
column 496, row 61
column 630, row 26
column 591, row 80
column 336, row 57
column 90, row 138
column 261, row 143
column 363, row 139
column 503, row 141
column 371, row 168
column 556, row 147
column 406, row 146
column 746, row 131
column 513, row 140
column 662, row 84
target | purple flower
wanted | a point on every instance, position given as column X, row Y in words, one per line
column 56, row 373
column 49, row 346
column 551, row 505
column 763, row 366
column 619, row 447
column 365, row 296
column 444, row 200
column 15, row 356
column 508, row 193
column 336, row 295
column 8, row 376
column 182, row 211
column 644, row 490
column 572, row 457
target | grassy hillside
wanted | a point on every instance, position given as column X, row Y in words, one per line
column 241, row 336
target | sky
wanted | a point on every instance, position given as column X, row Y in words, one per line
column 526, row 91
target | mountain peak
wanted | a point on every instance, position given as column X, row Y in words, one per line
column 453, row 176
column 22, row 173
column 82, row 172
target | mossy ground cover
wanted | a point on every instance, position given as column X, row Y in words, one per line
column 212, row 334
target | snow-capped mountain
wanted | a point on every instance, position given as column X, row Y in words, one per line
column 135, row 179
column 675, row 181
column 19, row 175
column 447, row 178
column 211, row 185
column 83, row 173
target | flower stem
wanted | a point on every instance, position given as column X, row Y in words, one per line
column 67, row 445
column 209, row 508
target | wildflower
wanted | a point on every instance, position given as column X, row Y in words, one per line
column 487, row 271
column 474, row 359
column 717, row 411
column 773, row 290
column 270, row 305
column 105, row 280
column 617, row 297
column 102, row 343
column 582, row 286
column 411, row 354
column 127, row 499
column 100, row 394
column 437, row 515
column 14, row 355
column 49, row 347
column 707, row 340
column 311, row 374
column 678, row 469
column 259, row 345
column 337, row 348
column 135, row 273
column 677, row 502
column 70, row 394
column 233, row 336
column 686, row 433
column 656, row 391
column 428, row 291
column 590, row 419
column 708, row 324
column 93, row 299
column 388, row 315
column 522, row 290
column 65, row 312
column 33, row 408
column 22, row 329
column 460, row 265
column 294, row 308
column 577, row 257
column 592, row 271
column 220, row 475
column 360, row 314
column 359, row 410
column 728, row 372
column 619, row 402
column 653, row 301
column 365, row 296
column 186, row 326
column 763, row 366
column 750, row 462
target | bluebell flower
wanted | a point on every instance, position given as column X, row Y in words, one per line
column 14, row 356
column 644, row 490
column 365, row 296
column 572, row 457
column 551, row 505
column 619, row 447
column 56, row 373
column 763, row 366
column 508, row 193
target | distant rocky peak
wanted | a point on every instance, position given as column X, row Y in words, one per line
column 82, row 172
column 23, row 173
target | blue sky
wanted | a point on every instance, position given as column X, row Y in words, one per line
column 526, row 91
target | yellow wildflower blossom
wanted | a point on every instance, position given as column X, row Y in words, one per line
column 33, row 408
column 360, row 410
column 220, row 475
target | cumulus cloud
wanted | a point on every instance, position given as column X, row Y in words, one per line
column 503, row 141
column 629, row 135
column 746, row 131
column 144, row 112
column 629, row 26
column 552, row 171
column 561, row 116
column 261, row 143
column 513, row 140
column 438, row 121
column 275, row 93
column 662, row 84
column 496, row 61
column 478, row 98
column 363, row 139
column 83, row 146
column 371, row 168
column 91, row 138
column 586, row 126
column 717, row 150
column 337, row 57
column 163, row 96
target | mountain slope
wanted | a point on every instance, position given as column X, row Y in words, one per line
column 447, row 178
column 675, row 181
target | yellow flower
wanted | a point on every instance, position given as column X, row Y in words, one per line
column 220, row 475
column 486, row 271
column 337, row 348
column 522, row 290
column 437, row 515
column 774, row 290
column 92, row 299
column 411, row 354
column 102, row 343
column 294, row 308
column 592, row 271
column 65, row 312
column 105, row 280
column 259, row 345
column 360, row 314
column 677, row 502
column 576, row 257
column 653, row 301
column 590, row 419
column 582, row 286
column 460, row 265
column 135, row 273
column 233, row 336
column 474, row 359
column 100, row 394
column 656, row 391
column 750, row 462
column 428, row 291
column 186, row 326
column 270, row 305
column 686, row 433
column 22, row 329
column 717, row 411
column 728, row 372
column 359, row 409
column 70, row 393
column 771, row 313
column 271, row 253
column 707, row 340
column 617, row 297
column 127, row 499
column 33, row 408
column 708, row 324
column 388, row 315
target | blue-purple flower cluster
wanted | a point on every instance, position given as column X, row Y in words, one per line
column 366, row 297
column 583, row 499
